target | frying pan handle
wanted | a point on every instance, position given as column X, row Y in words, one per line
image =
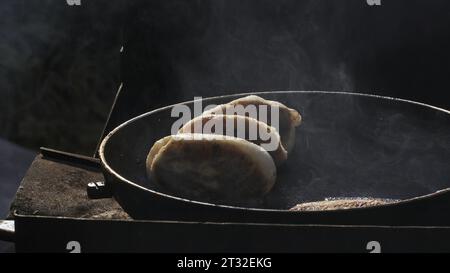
column 7, row 230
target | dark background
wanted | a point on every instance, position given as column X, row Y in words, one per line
column 60, row 64
column 59, row 70
column 177, row 49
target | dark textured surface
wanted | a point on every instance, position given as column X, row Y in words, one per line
column 52, row 188
column 59, row 70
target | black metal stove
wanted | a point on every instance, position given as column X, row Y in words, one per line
column 52, row 210
column 58, row 208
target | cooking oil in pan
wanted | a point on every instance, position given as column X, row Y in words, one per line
column 335, row 203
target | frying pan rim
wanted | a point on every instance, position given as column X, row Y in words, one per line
column 122, row 179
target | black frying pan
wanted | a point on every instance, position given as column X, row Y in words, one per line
column 349, row 145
